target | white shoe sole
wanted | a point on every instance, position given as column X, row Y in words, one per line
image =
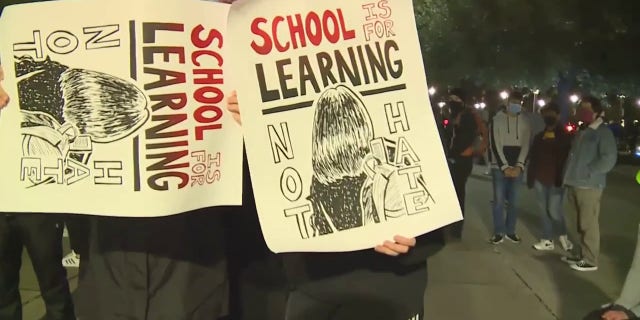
column 575, row 267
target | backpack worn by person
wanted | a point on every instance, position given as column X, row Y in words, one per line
column 481, row 143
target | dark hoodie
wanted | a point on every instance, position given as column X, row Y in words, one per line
column 547, row 158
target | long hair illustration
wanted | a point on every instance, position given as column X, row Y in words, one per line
column 100, row 105
column 340, row 191
column 65, row 109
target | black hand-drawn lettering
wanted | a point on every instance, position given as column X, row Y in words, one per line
column 109, row 172
column 280, row 142
column 291, row 184
column 396, row 117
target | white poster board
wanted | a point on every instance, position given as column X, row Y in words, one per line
column 343, row 147
column 118, row 108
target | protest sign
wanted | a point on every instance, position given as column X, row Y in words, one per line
column 118, row 108
column 343, row 147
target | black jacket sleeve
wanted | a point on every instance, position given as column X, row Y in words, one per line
column 465, row 133
column 426, row 246
column 533, row 161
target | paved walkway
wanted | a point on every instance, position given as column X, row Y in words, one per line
column 476, row 280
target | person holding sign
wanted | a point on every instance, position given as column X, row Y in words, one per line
column 41, row 234
column 385, row 283
column 171, row 267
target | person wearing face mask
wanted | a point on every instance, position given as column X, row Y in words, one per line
column 547, row 158
column 510, row 136
column 593, row 154
column 464, row 132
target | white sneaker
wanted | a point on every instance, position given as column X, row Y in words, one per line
column 72, row 260
column 544, row 245
column 565, row 243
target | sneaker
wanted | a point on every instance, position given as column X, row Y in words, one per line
column 72, row 260
column 584, row 266
column 566, row 243
column 544, row 245
column 496, row 239
column 514, row 238
column 571, row 259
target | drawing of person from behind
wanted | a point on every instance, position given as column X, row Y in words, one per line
column 340, row 195
column 65, row 110
column 356, row 178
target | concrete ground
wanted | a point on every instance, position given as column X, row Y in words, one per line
column 472, row 279
column 476, row 280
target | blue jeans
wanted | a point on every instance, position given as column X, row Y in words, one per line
column 551, row 213
column 505, row 189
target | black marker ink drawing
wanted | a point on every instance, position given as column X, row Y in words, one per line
column 65, row 110
column 357, row 178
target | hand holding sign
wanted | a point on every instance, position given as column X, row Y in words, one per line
column 400, row 245
column 4, row 97
column 233, row 107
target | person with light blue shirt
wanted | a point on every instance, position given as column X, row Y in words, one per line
column 593, row 154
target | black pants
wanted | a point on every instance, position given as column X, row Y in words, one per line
column 170, row 268
column 362, row 295
column 78, row 227
column 258, row 291
column 257, row 282
column 41, row 234
column 460, row 171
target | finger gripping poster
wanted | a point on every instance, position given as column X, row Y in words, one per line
column 117, row 109
column 342, row 144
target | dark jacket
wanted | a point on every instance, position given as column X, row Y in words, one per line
column 303, row 267
column 465, row 132
column 540, row 151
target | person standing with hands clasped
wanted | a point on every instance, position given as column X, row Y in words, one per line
column 348, row 285
column 461, row 149
column 510, row 136
column 593, row 154
column 547, row 159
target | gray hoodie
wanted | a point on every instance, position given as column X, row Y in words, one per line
column 510, row 139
